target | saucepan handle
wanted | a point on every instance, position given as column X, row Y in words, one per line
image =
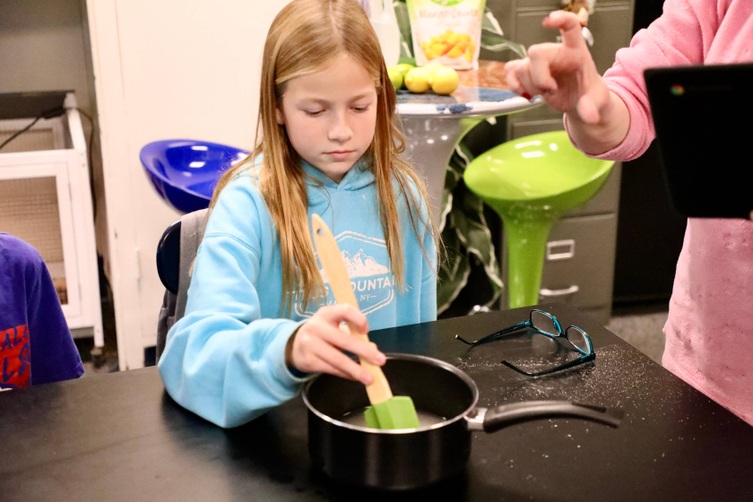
column 509, row 414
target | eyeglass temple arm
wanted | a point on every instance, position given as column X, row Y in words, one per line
column 568, row 365
column 509, row 414
column 496, row 334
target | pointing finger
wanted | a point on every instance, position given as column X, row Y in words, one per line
column 569, row 26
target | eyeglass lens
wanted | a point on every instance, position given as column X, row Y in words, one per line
column 579, row 339
column 545, row 322
column 548, row 325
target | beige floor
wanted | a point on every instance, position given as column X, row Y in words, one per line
column 641, row 327
column 106, row 360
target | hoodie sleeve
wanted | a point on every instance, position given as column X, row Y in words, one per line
column 685, row 33
column 223, row 360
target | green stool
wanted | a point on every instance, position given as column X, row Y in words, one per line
column 530, row 182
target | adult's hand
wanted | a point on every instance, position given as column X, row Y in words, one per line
column 564, row 73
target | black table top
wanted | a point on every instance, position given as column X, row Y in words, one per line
column 120, row 437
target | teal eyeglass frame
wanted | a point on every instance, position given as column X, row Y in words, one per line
column 589, row 354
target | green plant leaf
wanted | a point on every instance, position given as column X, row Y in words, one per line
column 465, row 235
column 473, row 231
column 454, row 272
column 495, row 43
column 406, row 40
column 493, row 39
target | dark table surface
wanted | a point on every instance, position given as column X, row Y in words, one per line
column 120, row 437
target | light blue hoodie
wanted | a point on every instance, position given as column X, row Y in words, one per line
column 225, row 359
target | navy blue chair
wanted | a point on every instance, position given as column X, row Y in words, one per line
column 176, row 251
column 184, row 172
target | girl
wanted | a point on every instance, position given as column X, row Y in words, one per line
column 259, row 320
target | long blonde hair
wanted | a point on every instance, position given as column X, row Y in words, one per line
column 305, row 35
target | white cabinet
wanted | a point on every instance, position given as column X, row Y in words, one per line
column 144, row 71
column 45, row 199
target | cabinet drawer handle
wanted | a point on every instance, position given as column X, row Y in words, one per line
column 550, row 293
column 560, row 250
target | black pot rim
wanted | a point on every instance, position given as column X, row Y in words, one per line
column 460, row 374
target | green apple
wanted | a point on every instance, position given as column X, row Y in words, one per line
column 404, row 68
column 396, row 77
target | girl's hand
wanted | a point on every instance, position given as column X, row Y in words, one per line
column 319, row 344
column 564, row 74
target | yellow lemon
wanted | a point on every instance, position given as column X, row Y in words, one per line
column 418, row 80
column 444, row 79
column 432, row 66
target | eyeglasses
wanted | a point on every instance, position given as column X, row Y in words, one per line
column 545, row 323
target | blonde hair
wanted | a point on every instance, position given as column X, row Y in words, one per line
column 305, row 35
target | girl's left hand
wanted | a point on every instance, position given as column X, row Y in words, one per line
column 320, row 344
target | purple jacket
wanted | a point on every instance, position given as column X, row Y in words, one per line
column 36, row 345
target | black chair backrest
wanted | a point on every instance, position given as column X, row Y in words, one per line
column 176, row 251
column 168, row 257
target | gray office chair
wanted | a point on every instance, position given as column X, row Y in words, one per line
column 175, row 254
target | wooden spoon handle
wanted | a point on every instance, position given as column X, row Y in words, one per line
column 337, row 276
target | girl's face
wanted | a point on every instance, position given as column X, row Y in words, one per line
column 330, row 115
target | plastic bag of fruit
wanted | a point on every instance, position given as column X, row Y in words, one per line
column 446, row 31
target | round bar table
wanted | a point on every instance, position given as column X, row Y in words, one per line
column 434, row 124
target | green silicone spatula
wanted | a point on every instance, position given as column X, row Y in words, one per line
column 386, row 411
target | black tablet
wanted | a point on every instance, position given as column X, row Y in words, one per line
column 703, row 115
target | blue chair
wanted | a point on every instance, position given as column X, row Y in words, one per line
column 185, row 171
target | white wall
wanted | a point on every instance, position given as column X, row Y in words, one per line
column 167, row 69
column 42, row 48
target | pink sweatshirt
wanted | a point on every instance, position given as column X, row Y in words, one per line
column 709, row 331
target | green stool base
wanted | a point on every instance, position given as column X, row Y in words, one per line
column 530, row 182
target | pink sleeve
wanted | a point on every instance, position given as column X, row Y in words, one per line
column 682, row 35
